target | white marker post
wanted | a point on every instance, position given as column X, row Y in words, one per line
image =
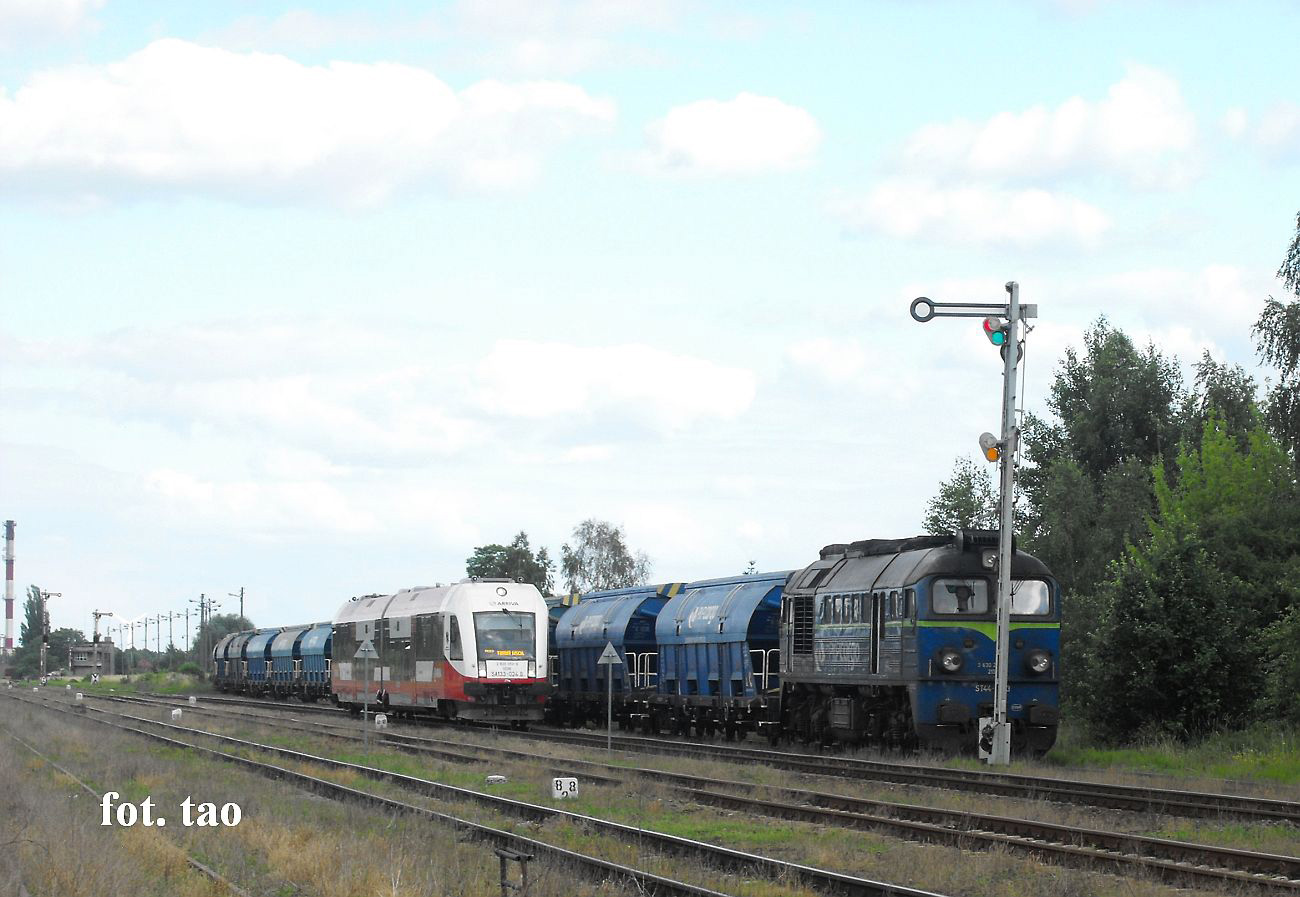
column 608, row 658
column 367, row 653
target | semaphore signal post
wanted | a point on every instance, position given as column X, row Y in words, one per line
column 1004, row 327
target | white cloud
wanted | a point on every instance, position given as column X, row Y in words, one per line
column 837, row 361
column 1278, row 132
column 562, row 36
column 533, row 381
column 748, row 135
column 281, row 507
column 310, row 29
column 26, row 21
column 1234, row 121
column 1142, row 131
column 586, row 454
column 972, row 214
column 178, row 117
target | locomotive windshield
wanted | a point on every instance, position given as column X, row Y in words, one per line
column 960, row 596
column 1030, row 598
column 504, row 634
column 971, row 597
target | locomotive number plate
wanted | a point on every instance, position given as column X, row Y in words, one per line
column 507, row 669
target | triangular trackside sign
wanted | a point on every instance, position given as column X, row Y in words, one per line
column 609, row 655
column 367, row 650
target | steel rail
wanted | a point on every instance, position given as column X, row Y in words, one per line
column 1172, row 802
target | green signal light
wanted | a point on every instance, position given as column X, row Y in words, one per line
column 996, row 330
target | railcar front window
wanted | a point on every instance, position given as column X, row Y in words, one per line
column 1030, row 598
column 962, row 597
column 505, row 635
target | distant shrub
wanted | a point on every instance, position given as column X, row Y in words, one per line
column 191, row 668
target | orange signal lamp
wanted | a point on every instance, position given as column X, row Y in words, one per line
column 990, row 447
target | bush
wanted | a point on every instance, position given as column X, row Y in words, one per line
column 191, row 668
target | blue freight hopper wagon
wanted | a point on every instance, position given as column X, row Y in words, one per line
column 286, row 661
column 220, row 670
column 236, row 665
column 719, row 663
column 624, row 618
column 314, row 650
column 257, row 661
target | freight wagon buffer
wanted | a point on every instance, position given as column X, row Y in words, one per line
column 472, row 650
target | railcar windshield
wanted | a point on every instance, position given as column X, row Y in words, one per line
column 505, row 635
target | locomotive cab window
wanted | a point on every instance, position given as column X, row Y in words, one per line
column 960, row 597
column 1030, row 598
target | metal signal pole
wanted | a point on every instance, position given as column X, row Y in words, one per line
column 1007, row 335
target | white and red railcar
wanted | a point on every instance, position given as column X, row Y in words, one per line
column 473, row 650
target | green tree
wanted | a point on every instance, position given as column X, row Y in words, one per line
column 1171, row 659
column 515, row 562
column 217, row 627
column 600, row 559
column 1277, row 335
column 1179, row 642
column 967, row 500
column 1115, row 402
column 1222, row 391
column 1086, row 477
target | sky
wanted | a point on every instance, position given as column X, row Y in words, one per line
column 312, row 299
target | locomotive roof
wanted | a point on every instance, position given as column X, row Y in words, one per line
column 891, row 563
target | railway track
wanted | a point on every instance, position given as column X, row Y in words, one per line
column 721, row 857
column 1174, row 862
column 1160, row 801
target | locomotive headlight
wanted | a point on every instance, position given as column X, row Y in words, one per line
column 482, row 669
column 950, row 660
column 532, row 669
column 1038, row 662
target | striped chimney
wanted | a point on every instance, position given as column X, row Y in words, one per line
column 9, row 587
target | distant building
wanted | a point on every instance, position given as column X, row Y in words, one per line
column 87, row 658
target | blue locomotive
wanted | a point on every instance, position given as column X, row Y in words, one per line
column 893, row 642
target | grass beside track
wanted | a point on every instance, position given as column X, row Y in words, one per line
column 289, row 843
column 654, row 807
column 1263, row 755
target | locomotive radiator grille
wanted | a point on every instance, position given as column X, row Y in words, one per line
column 803, row 624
